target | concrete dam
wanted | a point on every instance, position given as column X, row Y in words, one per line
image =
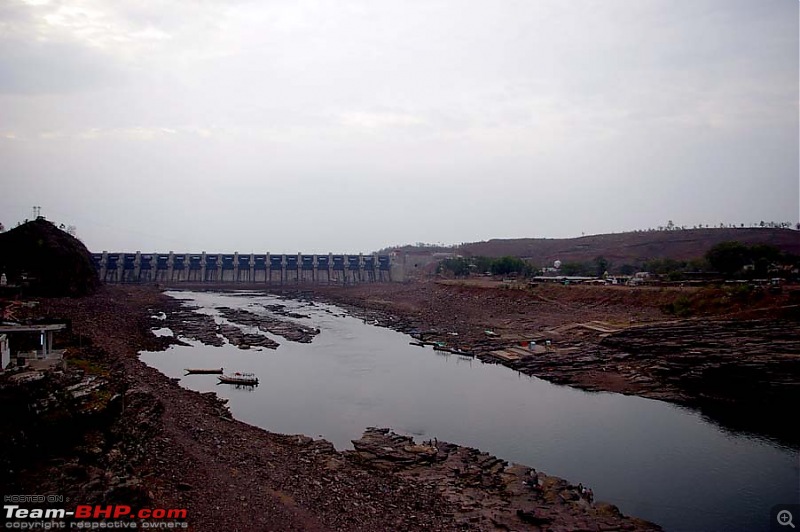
column 246, row 268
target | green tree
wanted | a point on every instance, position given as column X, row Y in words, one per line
column 506, row 265
column 482, row 264
column 577, row 268
column 675, row 276
column 698, row 265
column 458, row 266
column 601, row 266
column 765, row 251
column 728, row 258
column 664, row 266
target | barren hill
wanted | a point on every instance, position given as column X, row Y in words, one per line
column 52, row 261
column 633, row 247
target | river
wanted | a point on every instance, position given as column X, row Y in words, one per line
column 652, row 459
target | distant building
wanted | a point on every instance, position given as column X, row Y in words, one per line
column 566, row 279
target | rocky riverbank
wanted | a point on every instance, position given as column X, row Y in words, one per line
column 733, row 361
column 487, row 490
column 111, row 429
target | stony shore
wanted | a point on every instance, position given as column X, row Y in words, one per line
column 111, row 429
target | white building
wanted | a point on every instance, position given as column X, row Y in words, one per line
column 45, row 355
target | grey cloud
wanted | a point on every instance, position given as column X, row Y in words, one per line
column 437, row 121
column 49, row 68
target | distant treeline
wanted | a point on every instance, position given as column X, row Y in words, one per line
column 727, row 259
column 673, row 227
column 465, row 266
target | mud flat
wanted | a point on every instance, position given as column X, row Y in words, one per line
column 111, row 429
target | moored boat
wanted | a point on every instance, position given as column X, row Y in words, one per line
column 203, row 371
column 248, row 379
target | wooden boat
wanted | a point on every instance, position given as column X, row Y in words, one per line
column 203, row 371
column 454, row 350
column 248, row 379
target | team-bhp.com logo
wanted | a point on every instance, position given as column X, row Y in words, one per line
column 115, row 512
column 94, row 517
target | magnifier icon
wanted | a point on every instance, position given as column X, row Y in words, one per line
column 785, row 518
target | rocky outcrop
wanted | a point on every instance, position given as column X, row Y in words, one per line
column 236, row 336
column 185, row 322
column 487, row 492
column 734, row 371
column 83, row 422
column 291, row 330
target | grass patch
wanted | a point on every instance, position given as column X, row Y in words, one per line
column 89, row 367
column 681, row 307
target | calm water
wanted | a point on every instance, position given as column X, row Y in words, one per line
column 652, row 459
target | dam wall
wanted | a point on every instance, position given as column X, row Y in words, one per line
column 250, row 268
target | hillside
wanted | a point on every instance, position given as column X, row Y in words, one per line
column 52, row 261
column 634, row 247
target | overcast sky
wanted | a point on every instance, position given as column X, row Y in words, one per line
column 320, row 126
